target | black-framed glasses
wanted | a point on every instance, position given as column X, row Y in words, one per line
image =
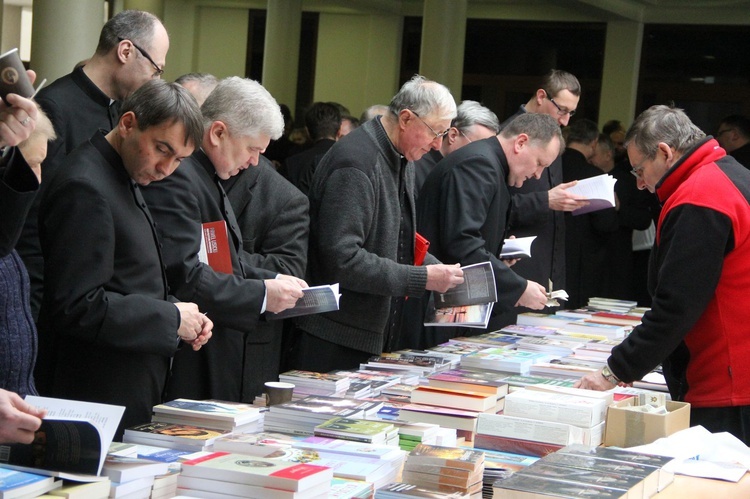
column 560, row 111
column 158, row 71
column 437, row 135
column 462, row 133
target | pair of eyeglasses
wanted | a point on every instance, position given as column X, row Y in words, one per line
column 637, row 171
column 560, row 111
column 462, row 133
column 158, row 71
column 437, row 135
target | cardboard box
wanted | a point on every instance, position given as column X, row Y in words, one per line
column 627, row 428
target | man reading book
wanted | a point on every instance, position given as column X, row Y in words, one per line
column 240, row 117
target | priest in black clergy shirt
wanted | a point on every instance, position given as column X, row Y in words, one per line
column 240, row 118
column 464, row 205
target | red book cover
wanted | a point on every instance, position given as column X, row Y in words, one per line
column 215, row 243
column 421, row 245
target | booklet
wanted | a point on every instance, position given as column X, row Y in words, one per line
column 71, row 443
column 518, row 247
column 465, row 315
column 478, row 288
column 599, row 191
column 315, row 300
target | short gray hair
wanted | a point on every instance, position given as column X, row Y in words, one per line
column 372, row 111
column 663, row 124
column 134, row 25
column 424, row 97
column 470, row 113
column 245, row 107
column 540, row 127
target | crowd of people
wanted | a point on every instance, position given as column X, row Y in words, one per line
column 111, row 176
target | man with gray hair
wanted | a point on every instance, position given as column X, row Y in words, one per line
column 132, row 50
column 699, row 274
column 198, row 84
column 240, row 118
column 464, row 205
column 362, row 231
column 473, row 122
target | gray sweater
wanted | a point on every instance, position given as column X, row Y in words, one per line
column 354, row 237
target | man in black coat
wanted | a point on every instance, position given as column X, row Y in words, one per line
column 132, row 50
column 464, row 205
column 107, row 315
column 240, row 118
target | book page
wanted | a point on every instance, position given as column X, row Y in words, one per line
column 315, row 300
column 599, row 190
column 478, row 288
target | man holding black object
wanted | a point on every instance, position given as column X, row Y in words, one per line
column 699, row 274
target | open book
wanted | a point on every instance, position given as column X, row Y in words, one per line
column 518, row 247
column 462, row 315
column 599, row 191
column 72, row 442
column 478, row 288
column 315, row 300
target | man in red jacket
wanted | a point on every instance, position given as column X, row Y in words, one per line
column 699, row 274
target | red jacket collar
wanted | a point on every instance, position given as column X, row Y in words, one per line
column 706, row 152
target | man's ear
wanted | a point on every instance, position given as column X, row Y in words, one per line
column 217, row 131
column 521, row 141
column 452, row 136
column 128, row 122
column 540, row 95
column 404, row 117
column 124, row 50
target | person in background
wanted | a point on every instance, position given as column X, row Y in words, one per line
column 699, row 272
column 362, row 231
column 473, row 122
column 107, row 315
column 348, row 123
column 371, row 112
column 323, row 121
column 198, row 84
column 614, row 130
column 733, row 135
column 240, row 118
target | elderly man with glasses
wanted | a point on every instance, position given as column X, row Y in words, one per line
column 131, row 51
column 362, row 231
column 699, row 274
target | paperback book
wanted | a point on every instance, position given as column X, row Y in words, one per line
column 478, row 288
column 315, row 300
column 214, row 413
column 517, row 247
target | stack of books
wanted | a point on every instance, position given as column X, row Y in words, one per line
column 464, row 422
column 591, row 472
column 472, row 380
column 412, row 434
column 400, row 490
column 22, row 484
column 540, row 420
column 372, row 381
column 499, row 465
column 445, row 469
column 300, row 417
column 314, row 383
column 174, row 436
column 416, row 365
column 132, row 475
column 502, row 359
column 341, row 488
column 359, row 430
column 254, row 477
column 456, row 399
column 233, row 416
column 255, row 444
column 450, row 358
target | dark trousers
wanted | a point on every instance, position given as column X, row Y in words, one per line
column 734, row 419
column 310, row 353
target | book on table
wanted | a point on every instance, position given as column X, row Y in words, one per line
column 255, row 444
column 443, row 416
column 533, row 487
column 19, row 484
column 599, row 191
column 126, row 469
column 251, row 470
column 315, row 300
column 349, row 448
column 215, row 413
column 78, row 490
column 632, row 487
column 72, row 441
column 450, row 457
column 457, row 399
column 517, row 247
column 214, row 250
column 501, row 359
column 363, row 430
column 206, row 487
column 471, row 380
column 398, row 490
column 175, row 436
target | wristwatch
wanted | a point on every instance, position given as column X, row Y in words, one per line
column 609, row 376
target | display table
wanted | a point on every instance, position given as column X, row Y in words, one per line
column 688, row 487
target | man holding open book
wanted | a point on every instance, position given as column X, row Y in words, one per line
column 699, row 274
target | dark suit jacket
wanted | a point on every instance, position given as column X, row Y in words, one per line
column 18, row 188
column 106, row 322
column 586, row 238
column 275, row 223
column 180, row 204
column 463, row 211
column 531, row 216
column 300, row 167
column 77, row 108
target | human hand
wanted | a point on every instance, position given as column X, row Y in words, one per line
column 18, row 119
column 594, row 381
column 441, row 277
column 301, row 282
column 205, row 334
column 534, row 297
column 192, row 321
column 562, row 200
column 283, row 292
column 18, row 419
